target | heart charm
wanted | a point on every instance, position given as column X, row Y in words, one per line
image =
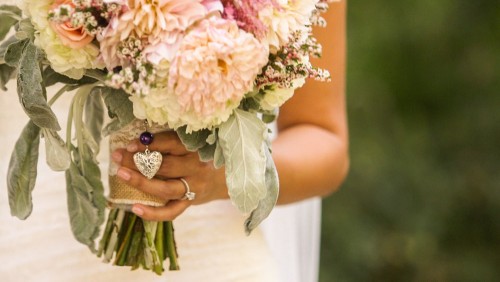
column 148, row 163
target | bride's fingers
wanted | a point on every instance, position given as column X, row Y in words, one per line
column 171, row 167
column 170, row 189
column 164, row 142
column 177, row 167
column 168, row 212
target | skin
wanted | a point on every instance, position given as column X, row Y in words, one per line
column 314, row 120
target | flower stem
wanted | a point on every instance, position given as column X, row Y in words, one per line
column 114, row 236
column 159, row 243
column 133, row 253
column 171, row 248
column 107, row 231
column 121, row 255
column 58, row 94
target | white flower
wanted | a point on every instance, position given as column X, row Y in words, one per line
column 276, row 97
column 158, row 106
column 294, row 15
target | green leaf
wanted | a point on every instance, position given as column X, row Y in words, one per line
column 86, row 201
column 9, row 16
column 271, row 116
column 195, row 140
column 3, row 47
column 120, row 108
column 31, row 91
column 83, row 215
column 21, row 176
column 14, row 52
column 51, row 77
column 241, row 139
column 267, row 204
column 219, row 160
column 25, row 30
column 58, row 157
column 6, row 73
column 94, row 117
column 206, row 153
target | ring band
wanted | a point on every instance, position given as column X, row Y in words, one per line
column 188, row 195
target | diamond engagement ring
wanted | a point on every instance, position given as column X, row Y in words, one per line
column 188, row 195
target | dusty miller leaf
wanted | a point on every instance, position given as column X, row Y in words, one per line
column 58, row 157
column 25, row 30
column 120, row 108
column 267, row 204
column 219, row 160
column 241, row 138
column 31, row 91
column 195, row 140
column 9, row 16
column 86, row 201
column 94, row 117
column 21, row 176
column 14, row 52
column 51, row 77
column 206, row 153
column 6, row 73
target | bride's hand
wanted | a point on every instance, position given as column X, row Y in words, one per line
column 203, row 179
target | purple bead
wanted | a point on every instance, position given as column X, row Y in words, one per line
column 146, row 138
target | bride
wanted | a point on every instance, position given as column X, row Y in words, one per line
column 310, row 151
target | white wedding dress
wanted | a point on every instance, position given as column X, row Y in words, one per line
column 211, row 242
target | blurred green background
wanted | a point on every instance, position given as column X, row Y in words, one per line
column 422, row 201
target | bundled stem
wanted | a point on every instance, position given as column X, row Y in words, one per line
column 138, row 243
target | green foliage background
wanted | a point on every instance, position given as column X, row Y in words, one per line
column 422, row 201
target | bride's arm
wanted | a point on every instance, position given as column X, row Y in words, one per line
column 311, row 151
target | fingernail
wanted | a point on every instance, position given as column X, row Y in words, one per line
column 123, row 174
column 132, row 147
column 117, row 157
column 137, row 211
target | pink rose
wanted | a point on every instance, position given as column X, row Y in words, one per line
column 70, row 36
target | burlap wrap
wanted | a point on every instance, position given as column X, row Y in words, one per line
column 120, row 193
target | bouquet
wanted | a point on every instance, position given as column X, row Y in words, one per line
column 215, row 71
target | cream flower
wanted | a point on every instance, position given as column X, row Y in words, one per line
column 157, row 106
column 63, row 59
column 214, row 68
column 278, row 96
column 294, row 15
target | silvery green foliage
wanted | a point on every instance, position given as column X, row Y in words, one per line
column 21, row 176
column 219, row 160
column 14, row 52
column 120, row 108
column 6, row 72
column 94, row 117
column 85, row 191
column 25, row 30
column 241, row 140
column 51, row 77
column 207, row 152
column 9, row 15
column 57, row 154
column 267, row 204
column 86, row 201
column 195, row 140
column 31, row 91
